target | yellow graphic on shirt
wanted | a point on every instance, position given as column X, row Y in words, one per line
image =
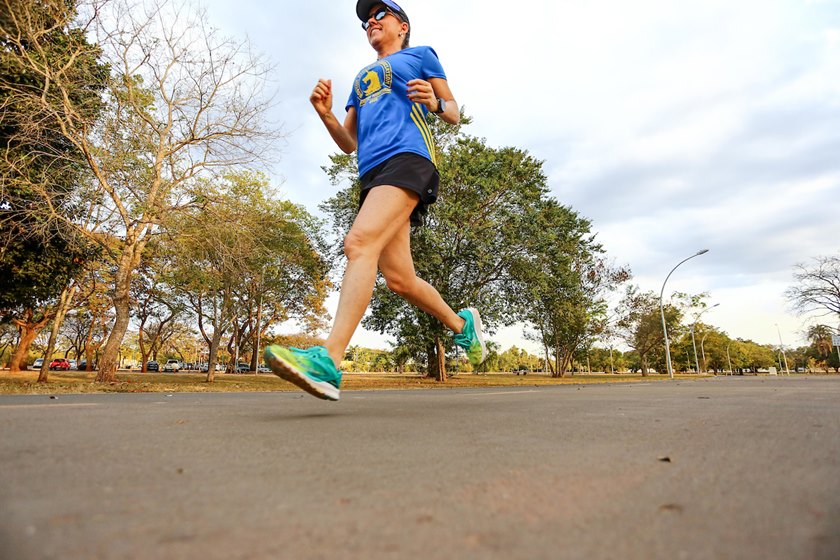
column 420, row 121
column 374, row 82
column 371, row 79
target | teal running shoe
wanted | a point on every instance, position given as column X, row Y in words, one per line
column 471, row 338
column 312, row 370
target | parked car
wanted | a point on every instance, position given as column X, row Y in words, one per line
column 38, row 363
column 172, row 365
column 242, row 367
column 73, row 364
column 152, row 366
column 83, row 366
column 262, row 368
column 60, row 363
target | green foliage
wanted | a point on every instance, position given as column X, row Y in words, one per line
column 369, row 360
column 563, row 277
column 32, row 271
column 639, row 323
column 516, row 359
column 821, row 353
column 40, row 170
column 269, row 263
column 606, row 360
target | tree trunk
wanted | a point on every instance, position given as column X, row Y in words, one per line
column 108, row 362
column 214, row 350
column 29, row 329
column 129, row 261
column 561, row 364
column 431, row 361
column 255, row 355
column 548, row 361
column 437, row 359
column 144, row 356
column 90, row 347
column 60, row 312
column 441, row 359
column 144, row 360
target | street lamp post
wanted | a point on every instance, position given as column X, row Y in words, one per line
column 693, row 343
column 728, row 359
column 782, row 348
column 259, row 323
column 662, row 311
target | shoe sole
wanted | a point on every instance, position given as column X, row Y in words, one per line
column 284, row 370
column 479, row 331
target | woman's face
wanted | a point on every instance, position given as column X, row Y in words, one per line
column 384, row 30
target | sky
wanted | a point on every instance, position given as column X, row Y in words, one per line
column 672, row 126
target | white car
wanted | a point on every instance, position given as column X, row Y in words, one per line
column 38, row 363
column 172, row 365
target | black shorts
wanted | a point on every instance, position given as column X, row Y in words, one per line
column 409, row 171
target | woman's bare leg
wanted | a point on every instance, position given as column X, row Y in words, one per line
column 397, row 267
column 385, row 212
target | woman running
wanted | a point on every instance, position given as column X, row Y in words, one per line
column 386, row 125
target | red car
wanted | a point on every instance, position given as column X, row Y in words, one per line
column 60, row 363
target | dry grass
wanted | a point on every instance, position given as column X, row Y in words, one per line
column 83, row 382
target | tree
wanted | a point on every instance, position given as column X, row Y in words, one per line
column 563, row 278
column 8, row 336
column 711, row 348
column 820, row 337
column 180, row 103
column 266, row 270
column 94, row 314
column 818, row 287
column 156, row 308
column 751, row 356
column 39, row 256
column 821, row 350
column 517, row 359
column 640, row 324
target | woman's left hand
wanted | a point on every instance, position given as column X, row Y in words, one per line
column 421, row 91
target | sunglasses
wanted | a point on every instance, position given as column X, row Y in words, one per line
column 378, row 17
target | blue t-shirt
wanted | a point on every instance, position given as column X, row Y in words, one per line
column 388, row 122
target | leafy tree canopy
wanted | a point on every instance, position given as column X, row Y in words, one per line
column 38, row 38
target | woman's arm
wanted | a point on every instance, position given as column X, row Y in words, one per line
column 344, row 135
column 427, row 93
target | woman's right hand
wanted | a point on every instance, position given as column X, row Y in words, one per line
column 321, row 97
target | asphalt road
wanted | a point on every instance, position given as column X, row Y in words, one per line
column 723, row 468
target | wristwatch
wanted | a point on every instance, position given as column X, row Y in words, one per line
column 441, row 106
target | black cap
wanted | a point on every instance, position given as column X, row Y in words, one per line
column 363, row 9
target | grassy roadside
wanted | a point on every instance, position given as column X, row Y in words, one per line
column 82, row 382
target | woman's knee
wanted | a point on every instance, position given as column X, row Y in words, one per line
column 358, row 244
column 399, row 284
